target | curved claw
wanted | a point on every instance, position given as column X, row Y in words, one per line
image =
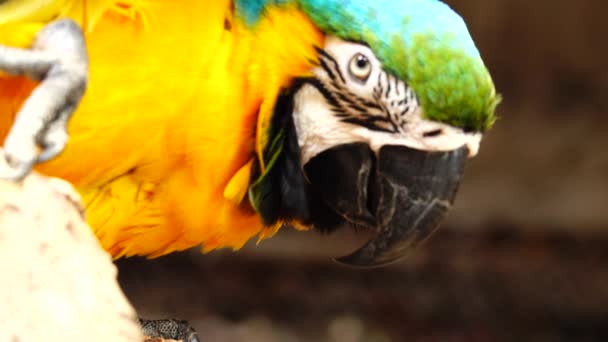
column 16, row 171
column 51, row 151
column 56, row 137
column 59, row 59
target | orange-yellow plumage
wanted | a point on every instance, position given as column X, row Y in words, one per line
column 179, row 98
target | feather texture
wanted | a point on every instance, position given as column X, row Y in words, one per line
column 422, row 42
column 176, row 97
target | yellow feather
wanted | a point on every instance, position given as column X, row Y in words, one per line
column 20, row 20
column 239, row 184
column 179, row 100
column 23, row 11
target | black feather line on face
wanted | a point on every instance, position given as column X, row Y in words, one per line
column 346, row 105
column 285, row 194
column 325, row 58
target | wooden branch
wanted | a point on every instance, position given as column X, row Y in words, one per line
column 56, row 282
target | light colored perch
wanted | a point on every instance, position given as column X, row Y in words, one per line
column 56, row 282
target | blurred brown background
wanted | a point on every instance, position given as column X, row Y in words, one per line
column 523, row 257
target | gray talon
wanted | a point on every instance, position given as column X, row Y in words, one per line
column 169, row 329
column 58, row 58
column 56, row 137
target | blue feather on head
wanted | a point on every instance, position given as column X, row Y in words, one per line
column 423, row 42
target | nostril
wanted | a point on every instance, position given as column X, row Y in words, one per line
column 432, row 133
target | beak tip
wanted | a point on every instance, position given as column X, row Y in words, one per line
column 369, row 256
column 354, row 261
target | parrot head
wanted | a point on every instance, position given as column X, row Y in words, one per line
column 377, row 135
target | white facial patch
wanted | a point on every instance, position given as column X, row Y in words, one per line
column 379, row 111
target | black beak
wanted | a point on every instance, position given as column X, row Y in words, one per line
column 400, row 192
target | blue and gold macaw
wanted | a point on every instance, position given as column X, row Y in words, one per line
column 215, row 121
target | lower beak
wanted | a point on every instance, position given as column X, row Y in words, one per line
column 401, row 193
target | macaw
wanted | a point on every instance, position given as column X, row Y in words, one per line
column 212, row 122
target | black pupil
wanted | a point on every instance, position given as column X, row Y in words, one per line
column 361, row 61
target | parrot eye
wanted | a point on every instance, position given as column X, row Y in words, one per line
column 360, row 67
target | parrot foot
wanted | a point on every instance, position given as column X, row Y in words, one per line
column 171, row 329
column 58, row 59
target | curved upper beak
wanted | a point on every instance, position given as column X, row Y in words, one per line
column 401, row 193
